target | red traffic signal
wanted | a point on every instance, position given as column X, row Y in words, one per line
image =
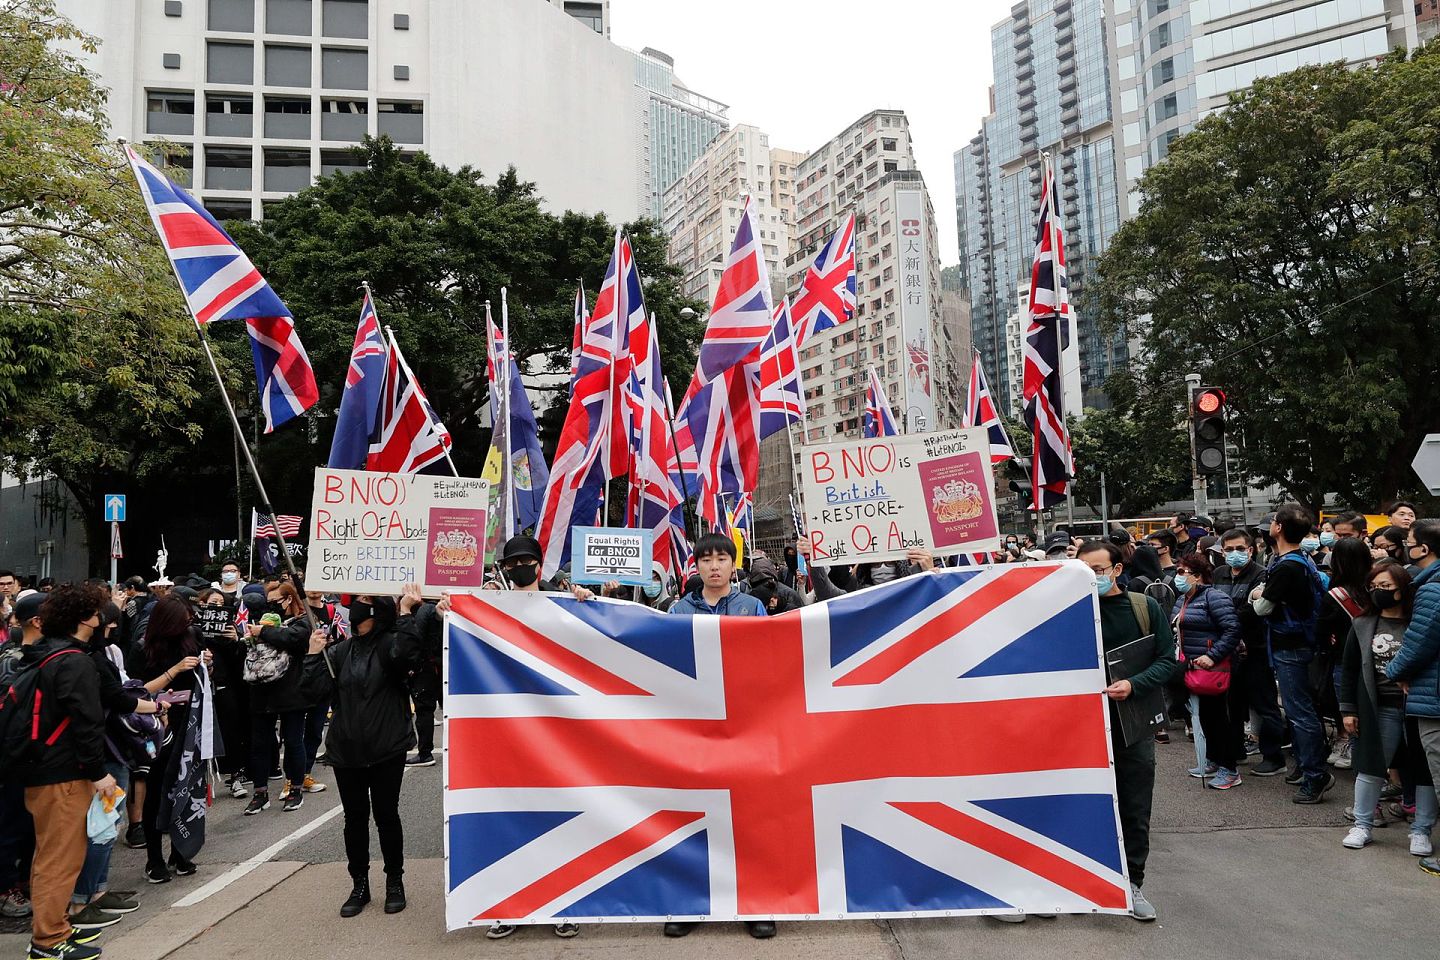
column 1210, row 401
column 1208, row 431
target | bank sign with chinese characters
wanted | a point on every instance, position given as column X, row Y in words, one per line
column 872, row 500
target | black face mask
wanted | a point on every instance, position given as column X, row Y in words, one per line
column 1382, row 599
column 359, row 613
column 523, row 574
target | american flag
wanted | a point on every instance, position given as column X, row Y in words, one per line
column 879, row 421
column 827, row 295
column 740, row 315
column 780, row 387
column 410, row 435
column 601, row 757
column 1052, row 466
column 220, row 283
column 261, row 524
column 980, row 412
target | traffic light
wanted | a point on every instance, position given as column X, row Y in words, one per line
column 1022, row 489
column 1207, row 415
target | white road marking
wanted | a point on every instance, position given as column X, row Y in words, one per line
column 264, row 856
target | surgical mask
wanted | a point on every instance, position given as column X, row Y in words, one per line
column 1382, row 599
column 1104, row 583
column 652, row 589
column 523, row 574
column 1237, row 558
column 1182, row 583
column 1327, row 539
column 1310, row 544
column 229, row 577
column 884, row 573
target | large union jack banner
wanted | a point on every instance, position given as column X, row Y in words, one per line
column 932, row 746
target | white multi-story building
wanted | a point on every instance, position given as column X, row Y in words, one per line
column 702, row 208
column 268, row 94
column 675, row 125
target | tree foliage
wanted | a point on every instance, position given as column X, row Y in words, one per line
column 1287, row 251
column 1138, row 443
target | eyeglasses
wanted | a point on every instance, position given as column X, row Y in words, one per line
column 1101, row 571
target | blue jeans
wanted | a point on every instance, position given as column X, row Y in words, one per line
column 1292, row 673
column 94, row 876
column 1367, row 786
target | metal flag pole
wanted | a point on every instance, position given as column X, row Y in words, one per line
column 679, row 464
column 507, row 454
column 260, row 492
column 1062, row 323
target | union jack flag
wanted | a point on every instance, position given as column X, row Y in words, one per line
column 582, row 317
column 780, row 388
column 1052, row 466
column 722, row 423
column 654, row 501
column 980, row 412
column 410, row 435
column 601, row 759
column 740, row 316
column 220, row 283
column 827, row 295
column 878, row 420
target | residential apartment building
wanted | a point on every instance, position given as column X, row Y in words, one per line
column 702, row 208
column 1175, row 61
column 675, row 125
column 1051, row 96
column 268, row 94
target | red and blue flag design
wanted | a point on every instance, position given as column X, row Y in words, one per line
column 878, row 420
column 779, row 375
column 360, row 401
column 220, row 283
column 740, row 315
column 980, row 411
column 827, row 295
column 601, row 758
column 1052, row 466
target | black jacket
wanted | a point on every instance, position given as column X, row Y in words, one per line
column 370, row 700
column 69, row 690
column 1237, row 584
column 284, row 694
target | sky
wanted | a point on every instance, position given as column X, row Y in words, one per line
column 802, row 70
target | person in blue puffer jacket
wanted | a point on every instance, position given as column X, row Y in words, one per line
column 1417, row 666
column 1207, row 630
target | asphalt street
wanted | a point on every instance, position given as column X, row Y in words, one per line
column 1246, row 870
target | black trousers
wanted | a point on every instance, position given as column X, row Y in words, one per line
column 366, row 792
column 1222, row 748
column 425, row 691
column 1134, row 792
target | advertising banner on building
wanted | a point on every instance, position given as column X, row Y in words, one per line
column 916, row 331
column 872, row 500
column 375, row 532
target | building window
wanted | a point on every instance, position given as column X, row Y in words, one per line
column 228, row 168
column 222, row 209
column 344, row 69
column 228, row 115
column 288, row 16
column 236, row 16
column 339, row 161
column 230, row 63
column 178, row 163
column 170, row 113
column 287, row 118
column 402, row 122
column 286, row 171
column 590, row 14
column 345, row 18
column 344, row 120
column 287, row 66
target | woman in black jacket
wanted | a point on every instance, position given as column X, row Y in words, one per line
column 171, row 654
column 366, row 678
column 278, row 698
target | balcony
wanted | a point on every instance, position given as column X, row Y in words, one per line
column 287, row 118
column 346, row 120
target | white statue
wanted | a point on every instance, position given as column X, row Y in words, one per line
column 162, row 558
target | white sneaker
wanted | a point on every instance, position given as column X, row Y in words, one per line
column 1357, row 839
column 1141, row 909
column 237, row 789
column 1343, row 748
column 1420, row 845
column 1009, row 917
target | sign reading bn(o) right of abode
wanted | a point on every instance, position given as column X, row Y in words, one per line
column 873, row 500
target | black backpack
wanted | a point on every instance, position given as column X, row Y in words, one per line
column 20, row 706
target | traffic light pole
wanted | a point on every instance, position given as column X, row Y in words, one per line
column 1192, row 385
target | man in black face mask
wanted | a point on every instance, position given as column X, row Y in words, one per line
column 520, row 561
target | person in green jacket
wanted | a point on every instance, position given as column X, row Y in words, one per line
column 1134, row 764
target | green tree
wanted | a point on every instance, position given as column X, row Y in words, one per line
column 1139, row 443
column 1287, row 251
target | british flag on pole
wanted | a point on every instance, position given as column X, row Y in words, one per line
column 827, row 295
column 606, row 761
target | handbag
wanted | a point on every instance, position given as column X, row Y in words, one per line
column 1202, row 683
column 264, row 663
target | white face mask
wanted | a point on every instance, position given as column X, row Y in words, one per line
column 229, row 577
column 883, row 573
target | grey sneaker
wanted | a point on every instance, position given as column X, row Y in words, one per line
column 566, row 930
column 1143, row 909
column 93, row 918
column 1009, row 917
column 499, row 931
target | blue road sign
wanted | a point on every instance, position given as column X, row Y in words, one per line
column 114, row 506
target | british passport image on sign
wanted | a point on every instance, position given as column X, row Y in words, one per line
column 934, row 746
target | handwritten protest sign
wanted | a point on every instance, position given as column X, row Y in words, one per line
column 872, row 500
column 603, row 554
column 371, row 533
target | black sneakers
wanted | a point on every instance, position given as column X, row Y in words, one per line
column 421, row 760
column 1315, row 792
column 260, row 801
column 293, row 799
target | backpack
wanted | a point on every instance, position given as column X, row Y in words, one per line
column 20, row 706
column 1283, row 621
column 134, row 738
column 265, row 664
column 1141, row 608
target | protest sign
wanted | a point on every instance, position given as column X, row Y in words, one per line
column 215, row 623
column 372, row 533
column 872, row 500
column 603, row 554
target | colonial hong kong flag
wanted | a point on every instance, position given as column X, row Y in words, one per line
column 780, row 389
column 220, row 283
column 827, row 295
column 740, row 316
column 878, row 420
column 1052, row 467
column 980, row 412
column 360, row 401
column 601, row 758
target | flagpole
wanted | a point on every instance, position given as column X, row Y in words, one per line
column 400, row 358
column 506, row 455
column 260, row 491
column 679, row 464
column 1062, row 321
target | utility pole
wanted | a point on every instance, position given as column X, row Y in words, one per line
column 1192, row 386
